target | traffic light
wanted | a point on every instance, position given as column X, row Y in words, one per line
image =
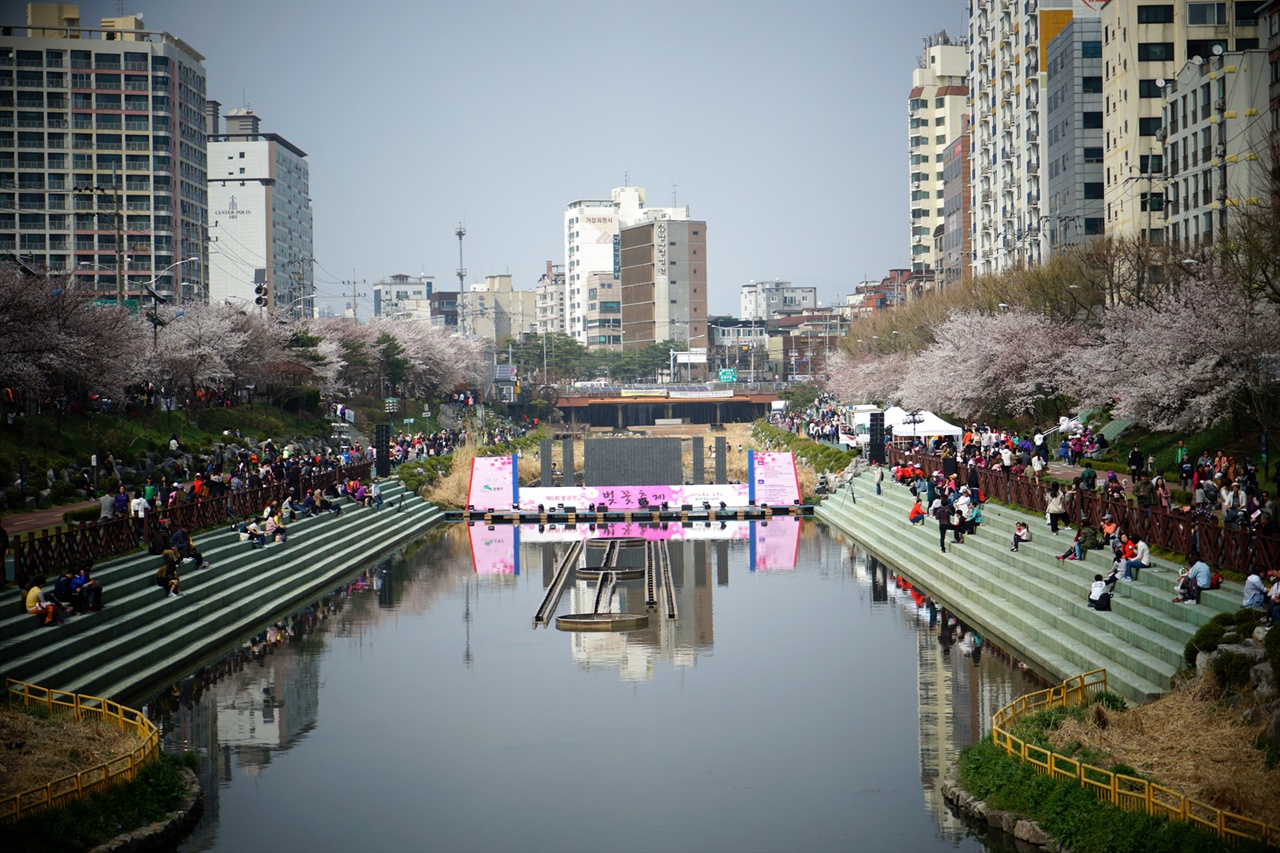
column 261, row 295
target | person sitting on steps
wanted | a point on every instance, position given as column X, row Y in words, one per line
column 90, row 590
column 1141, row 559
column 1086, row 540
column 41, row 606
column 167, row 574
column 1021, row 533
column 917, row 513
column 1099, row 597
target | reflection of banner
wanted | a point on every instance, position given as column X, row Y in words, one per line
column 775, row 544
column 493, row 483
column 496, row 551
column 675, row 532
column 773, row 479
column 628, row 497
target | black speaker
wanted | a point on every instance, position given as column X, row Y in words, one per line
column 382, row 449
column 875, row 444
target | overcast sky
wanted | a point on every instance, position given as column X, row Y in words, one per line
column 783, row 125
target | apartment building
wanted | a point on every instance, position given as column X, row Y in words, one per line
column 770, row 300
column 1144, row 46
column 550, row 300
column 663, row 267
column 592, row 229
column 403, row 297
column 102, row 152
column 936, row 107
column 1074, row 139
column 260, row 218
column 956, row 246
column 604, row 311
column 494, row 310
column 1217, row 139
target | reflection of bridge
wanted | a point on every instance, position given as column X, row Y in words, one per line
column 642, row 405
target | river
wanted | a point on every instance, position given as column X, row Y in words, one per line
column 805, row 699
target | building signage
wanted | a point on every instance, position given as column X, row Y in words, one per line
column 232, row 211
column 617, row 257
column 660, row 250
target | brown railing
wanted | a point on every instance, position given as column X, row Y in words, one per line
column 122, row 768
column 1221, row 546
column 1127, row 792
column 52, row 551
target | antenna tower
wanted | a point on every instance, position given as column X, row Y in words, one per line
column 461, row 232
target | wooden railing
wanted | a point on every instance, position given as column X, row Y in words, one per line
column 1221, row 546
column 122, row 768
column 50, row 552
column 1127, row 792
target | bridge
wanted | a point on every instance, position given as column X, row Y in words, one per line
column 645, row 405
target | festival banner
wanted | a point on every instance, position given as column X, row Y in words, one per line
column 774, row 479
column 622, row 498
column 493, row 483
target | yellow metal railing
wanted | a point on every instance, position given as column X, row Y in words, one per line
column 123, row 768
column 1127, row 792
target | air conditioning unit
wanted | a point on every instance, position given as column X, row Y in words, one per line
column 915, row 185
column 1222, row 194
column 1220, row 151
column 1162, row 134
column 1220, row 105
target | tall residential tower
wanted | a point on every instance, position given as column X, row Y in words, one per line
column 938, row 101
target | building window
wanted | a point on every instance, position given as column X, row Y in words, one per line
column 1161, row 13
column 1246, row 15
column 1093, row 155
column 1151, row 163
column 1092, row 120
column 1091, row 85
column 1147, row 126
column 1155, row 51
column 1206, row 14
column 1093, row 225
column 1148, row 89
column 1093, row 190
column 1091, row 49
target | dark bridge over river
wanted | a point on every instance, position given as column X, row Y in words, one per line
column 646, row 405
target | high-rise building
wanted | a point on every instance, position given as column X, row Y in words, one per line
column 953, row 260
column 1073, row 142
column 938, row 102
column 664, row 282
column 108, row 179
column 260, row 239
column 1143, row 46
column 770, row 300
column 592, row 228
column 1218, row 144
column 550, row 300
column 403, row 297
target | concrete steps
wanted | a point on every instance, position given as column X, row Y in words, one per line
column 141, row 636
column 1031, row 602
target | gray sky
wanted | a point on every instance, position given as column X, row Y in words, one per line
column 783, row 125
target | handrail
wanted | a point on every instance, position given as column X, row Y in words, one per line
column 1126, row 792
column 1221, row 546
column 94, row 780
column 52, row 551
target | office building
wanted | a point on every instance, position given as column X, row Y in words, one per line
column 1074, row 135
column 1218, row 144
column 604, row 311
column 1143, row 45
column 260, row 238
column 663, row 267
column 938, row 102
column 102, row 152
column 592, row 228
column 494, row 310
column 770, row 300
column 403, row 297
column 956, row 249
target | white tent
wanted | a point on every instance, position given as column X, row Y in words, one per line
column 930, row 424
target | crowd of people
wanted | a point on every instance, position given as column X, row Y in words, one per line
column 819, row 421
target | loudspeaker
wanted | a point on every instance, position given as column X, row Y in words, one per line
column 382, row 449
column 875, row 445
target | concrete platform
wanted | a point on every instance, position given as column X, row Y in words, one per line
column 1029, row 602
column 141, row 637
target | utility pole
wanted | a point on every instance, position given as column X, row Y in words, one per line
column 355, row 309
column 461, row 232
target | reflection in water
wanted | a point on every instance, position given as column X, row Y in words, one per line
column 807, row 625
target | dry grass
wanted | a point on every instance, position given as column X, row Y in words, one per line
column 1188, row 743
column 35, row 751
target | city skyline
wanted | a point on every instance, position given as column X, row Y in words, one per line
column 418, row 116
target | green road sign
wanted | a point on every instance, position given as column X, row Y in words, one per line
column 729, row 374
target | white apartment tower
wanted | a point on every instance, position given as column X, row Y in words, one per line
column 260, row 216
column 591, row 245
column 102, row 152
column 939, row 99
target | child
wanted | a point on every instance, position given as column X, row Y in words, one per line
column 1020, row 534
column 1099, row 598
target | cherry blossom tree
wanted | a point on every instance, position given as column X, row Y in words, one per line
column 866, row 378
column 1185, row 360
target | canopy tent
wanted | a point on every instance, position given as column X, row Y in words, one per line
column 930, row 424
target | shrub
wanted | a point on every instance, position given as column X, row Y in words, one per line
column 1231, row 669
column 1205, row 640
column 89, row 513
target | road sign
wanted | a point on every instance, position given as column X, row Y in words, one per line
column 728, row 374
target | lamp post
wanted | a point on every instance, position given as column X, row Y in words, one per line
column 157, row 299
